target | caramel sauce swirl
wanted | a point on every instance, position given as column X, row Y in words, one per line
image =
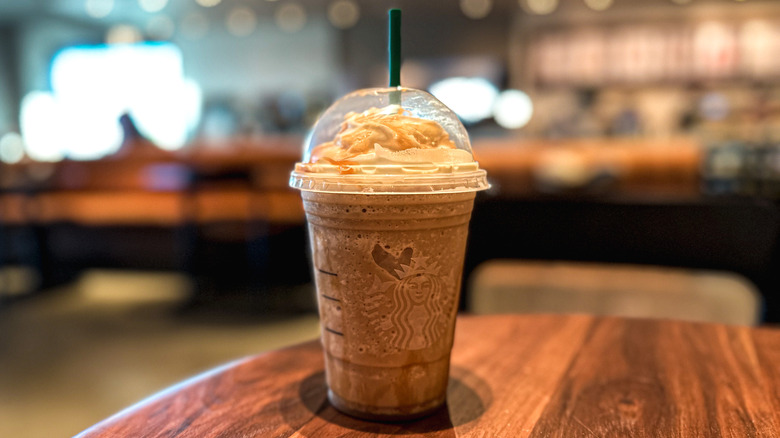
column 391, row 128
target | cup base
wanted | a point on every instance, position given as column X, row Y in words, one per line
column 384, row 414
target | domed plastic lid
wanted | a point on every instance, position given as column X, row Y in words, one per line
column 388, row 140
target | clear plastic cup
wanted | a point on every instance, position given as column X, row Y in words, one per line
column 388, row 224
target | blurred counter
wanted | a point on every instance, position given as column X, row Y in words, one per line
column 632, row 167
column 221, row 213
column 248, row 180
column 226, row 216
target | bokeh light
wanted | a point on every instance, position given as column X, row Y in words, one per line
column 152, row 5
column 599, row 5
column 513, row 109
column 98, row 8
column 241, row 21
column 472, row 99
column 539, row 7
column 11, row 148
column 290, row 17
column 476, row 9
column 208, row 3
column 343, row 14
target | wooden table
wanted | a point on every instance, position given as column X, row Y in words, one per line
column 511, row 376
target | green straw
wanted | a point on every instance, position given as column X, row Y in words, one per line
column 394, row 52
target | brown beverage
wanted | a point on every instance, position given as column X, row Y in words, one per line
column 388, row 272
column 388, row 181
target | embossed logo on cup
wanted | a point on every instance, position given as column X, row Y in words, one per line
column 417, row 310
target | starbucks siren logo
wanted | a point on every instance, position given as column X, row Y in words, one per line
column 407, row 311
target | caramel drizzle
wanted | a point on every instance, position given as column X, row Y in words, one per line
column 397, row 131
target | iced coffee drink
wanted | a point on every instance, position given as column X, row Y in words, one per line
column 388, row 190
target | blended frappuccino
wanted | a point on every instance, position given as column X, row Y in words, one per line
column 388, row 194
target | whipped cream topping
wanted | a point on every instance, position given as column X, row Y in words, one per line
column 388, row 135
column 388, row 150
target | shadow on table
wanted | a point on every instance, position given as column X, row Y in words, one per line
column 468, row 397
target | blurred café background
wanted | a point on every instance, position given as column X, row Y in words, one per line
column 147, row 232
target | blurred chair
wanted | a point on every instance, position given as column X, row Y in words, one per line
column 515, row 286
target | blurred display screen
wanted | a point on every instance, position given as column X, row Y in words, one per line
column 93, row 86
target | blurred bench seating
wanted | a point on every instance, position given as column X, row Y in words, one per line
column 515, row 286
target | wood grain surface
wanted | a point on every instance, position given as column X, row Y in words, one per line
column 511, row 376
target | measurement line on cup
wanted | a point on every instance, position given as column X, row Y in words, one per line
column 328, row 273
column 334, row 331
column 330, row 298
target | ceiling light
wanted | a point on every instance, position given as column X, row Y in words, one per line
column 11, row 148
column 98, row 8
column 152, row 5
column 539, row 7
column 599, row 5
column 241, row 21
column 343, row 13
column 208, row 3
column 290, row 17
column 513, row 109
column 476, row 9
